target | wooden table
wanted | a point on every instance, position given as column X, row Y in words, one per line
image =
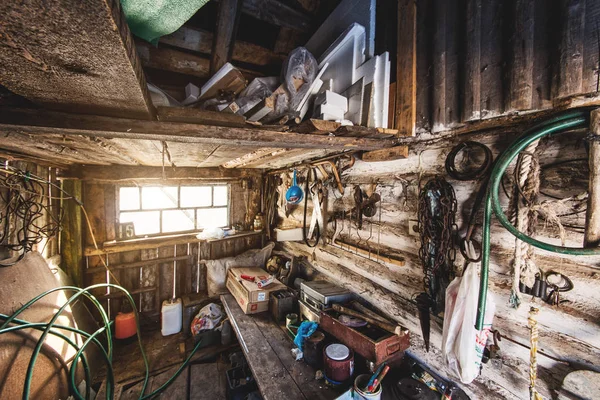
column 268, row 352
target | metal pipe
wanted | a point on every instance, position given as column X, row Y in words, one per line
column 174, row 272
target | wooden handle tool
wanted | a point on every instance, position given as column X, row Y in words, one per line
column 395, row 329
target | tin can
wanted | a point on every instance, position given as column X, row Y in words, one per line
column 338, row 362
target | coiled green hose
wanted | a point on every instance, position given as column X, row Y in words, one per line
column 48, row 328
column 558, row 124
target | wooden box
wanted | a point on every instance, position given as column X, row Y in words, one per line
column 248, row 295
column 371, row 342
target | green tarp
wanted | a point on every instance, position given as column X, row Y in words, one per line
column 151, row 19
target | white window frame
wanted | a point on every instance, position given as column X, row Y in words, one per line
column 179, row 207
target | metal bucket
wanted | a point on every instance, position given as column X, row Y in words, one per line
column 359, row 383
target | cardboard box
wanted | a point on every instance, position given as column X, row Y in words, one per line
column 251, row 299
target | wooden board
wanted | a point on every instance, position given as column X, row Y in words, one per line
column 198, row 40
column 72, row 55
column 208, row 381
column 406, row 70
column 394, row 153
column 268, row 353
column 41, row 122
column 226, row 28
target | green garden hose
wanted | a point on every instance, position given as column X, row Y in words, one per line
column 49, row 328
column 559, row 124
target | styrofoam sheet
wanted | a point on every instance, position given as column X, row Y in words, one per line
column 344, row 56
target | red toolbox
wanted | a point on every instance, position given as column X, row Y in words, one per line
column 371, row 342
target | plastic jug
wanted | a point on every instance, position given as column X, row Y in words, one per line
column 125, row 326
column 171, row 317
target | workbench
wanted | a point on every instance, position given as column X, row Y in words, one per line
column 268, row 352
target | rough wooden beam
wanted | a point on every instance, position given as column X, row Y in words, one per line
column 592, row 218
column 72, row 234
column 317, row 127
column 520, row 94
column 198, row 40
column 471, row 96
column 198, row 116
column 570, row 76
column 253, row 157
column 167, row 59
column 228, row 17
column 394, row 153
column 278, row 13
column 139, row 173
column 74, row 55
column 34, row 122
column 406, row 70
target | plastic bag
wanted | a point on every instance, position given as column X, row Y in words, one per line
column 211, row 233
column 305, row 329
column 258, row 90
column 208, row 318
column 462, row 344
column 300, row 66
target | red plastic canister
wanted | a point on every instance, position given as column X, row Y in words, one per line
column 125, row 325
column 338, row 363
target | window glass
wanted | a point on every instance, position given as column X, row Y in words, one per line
column 129, row 198
column 196, row 196
column 144, row 222
column 159, row 197
column 221, row 197
column 178, row 220
column 155, row 210
column 212, row 217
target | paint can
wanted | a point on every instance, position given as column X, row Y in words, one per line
column 359, row 385
column 338, row 362
column 313, row 350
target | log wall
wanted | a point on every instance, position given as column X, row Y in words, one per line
column 477, row 60
column 569, row 334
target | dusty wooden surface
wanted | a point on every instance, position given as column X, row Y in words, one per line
column 74, row 55
column 567, row 333
column 268, row 353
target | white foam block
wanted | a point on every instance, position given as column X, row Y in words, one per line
column 333, row 99
column 330, row 111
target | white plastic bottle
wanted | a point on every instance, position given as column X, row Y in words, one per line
column 171, row 317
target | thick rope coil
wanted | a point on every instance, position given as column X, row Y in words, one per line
column 533, row 340
column 522, row 213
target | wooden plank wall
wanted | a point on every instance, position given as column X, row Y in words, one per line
column 154, row 283
column 50, row 247
column 569, row 332
column 478, row 59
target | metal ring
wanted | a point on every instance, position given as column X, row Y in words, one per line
column 478, row 172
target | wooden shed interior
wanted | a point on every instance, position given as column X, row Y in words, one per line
column 466, row 160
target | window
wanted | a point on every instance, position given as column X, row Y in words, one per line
column 155, row 210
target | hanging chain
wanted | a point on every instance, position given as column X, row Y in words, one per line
column 437, row 212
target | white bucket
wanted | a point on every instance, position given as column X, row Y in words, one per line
column 171, row 317
column 359, row 383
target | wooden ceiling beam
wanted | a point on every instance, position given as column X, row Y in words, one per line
column 228, row 18
column 200, row 41
column 40, row 122
column 116, row 173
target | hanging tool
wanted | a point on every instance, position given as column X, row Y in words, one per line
column 294, row 194
column 316, row 226
column 335, row 172
column 437, row 212
column 316, row 194
column 482, row 172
